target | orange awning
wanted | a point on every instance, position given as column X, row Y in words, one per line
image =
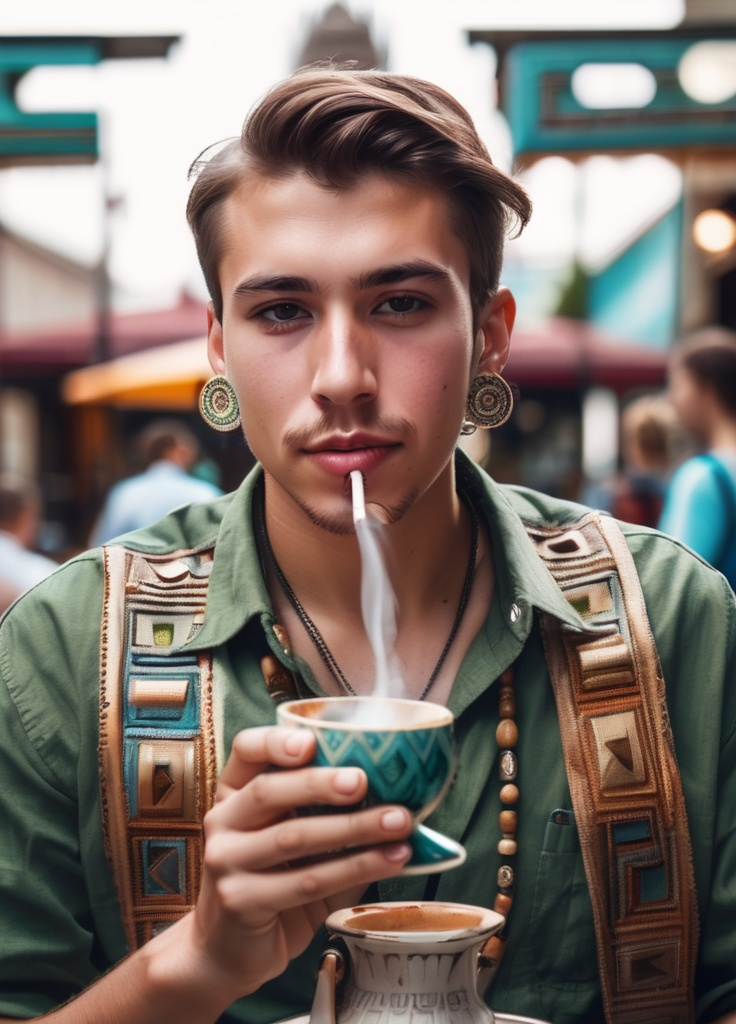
column 166, row 377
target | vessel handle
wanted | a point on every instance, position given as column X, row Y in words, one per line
column 323, row 1004
column 489, row 958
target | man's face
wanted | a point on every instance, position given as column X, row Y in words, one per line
column 347, row 332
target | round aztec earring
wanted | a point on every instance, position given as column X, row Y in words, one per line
column 218, row 404
column 490, row 401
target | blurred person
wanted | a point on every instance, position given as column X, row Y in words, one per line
column 700, row 506
column 21, row 566
column 154, row 867
column 653, row 442
column 170, row 452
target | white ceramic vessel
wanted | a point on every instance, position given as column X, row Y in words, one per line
column 407, row 963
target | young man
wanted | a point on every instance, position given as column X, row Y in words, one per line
column 352, row 243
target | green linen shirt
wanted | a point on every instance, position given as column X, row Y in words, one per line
column 60, row 925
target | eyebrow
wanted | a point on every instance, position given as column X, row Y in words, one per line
column 372, row 279
column 402, row 272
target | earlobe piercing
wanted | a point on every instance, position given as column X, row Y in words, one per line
column 218, row 404
column 489, row 404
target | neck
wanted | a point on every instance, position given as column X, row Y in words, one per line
column 723, row 434
column 427, row 554
column 325, row 567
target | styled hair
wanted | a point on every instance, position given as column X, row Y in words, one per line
column 336, row 123
column 709, row 354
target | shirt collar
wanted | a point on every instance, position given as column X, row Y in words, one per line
column 237, row 592
column 522, row 581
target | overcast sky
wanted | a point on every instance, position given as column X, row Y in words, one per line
column 156, row 115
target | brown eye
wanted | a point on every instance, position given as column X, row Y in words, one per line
column 282, row 311
column 401, row 304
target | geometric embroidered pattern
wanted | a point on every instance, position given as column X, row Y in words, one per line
column 624, row 781
column 157, row 756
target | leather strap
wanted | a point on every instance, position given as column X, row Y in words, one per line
column 158, row 764
column 625, row 784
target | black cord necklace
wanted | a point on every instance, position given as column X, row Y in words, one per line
column 316, row 637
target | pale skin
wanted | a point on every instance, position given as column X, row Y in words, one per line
column 370, row 371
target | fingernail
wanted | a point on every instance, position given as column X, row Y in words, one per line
column 392, row 821
column 397, row 852
column 347, row 780
column 295, row 743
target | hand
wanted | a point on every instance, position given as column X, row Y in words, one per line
column 270, row 878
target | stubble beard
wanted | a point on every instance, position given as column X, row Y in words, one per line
column 340, row 524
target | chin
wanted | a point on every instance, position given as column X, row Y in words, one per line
column 339, row 521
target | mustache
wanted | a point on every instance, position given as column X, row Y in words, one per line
column 386, row 426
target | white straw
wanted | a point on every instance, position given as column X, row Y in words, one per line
column 356, row 481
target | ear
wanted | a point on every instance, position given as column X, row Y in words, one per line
column 215, row 344
column 494, row 332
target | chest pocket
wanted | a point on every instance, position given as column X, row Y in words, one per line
column 563, row 936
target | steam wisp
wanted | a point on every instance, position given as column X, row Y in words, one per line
column 377, row 599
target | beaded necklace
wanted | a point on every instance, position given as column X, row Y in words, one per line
column 507, row 735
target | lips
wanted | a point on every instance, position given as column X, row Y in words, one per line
column 342, row 454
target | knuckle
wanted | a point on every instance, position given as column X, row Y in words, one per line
column 215, row 855
column 309, row 886
column 289, row 839
column 211, row 822
column 226, row 892
column 260, row 790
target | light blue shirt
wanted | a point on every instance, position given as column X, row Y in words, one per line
column 700, row 510
column 148, row 497
column 19, row 567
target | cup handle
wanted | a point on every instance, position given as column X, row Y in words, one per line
column 323, row 1004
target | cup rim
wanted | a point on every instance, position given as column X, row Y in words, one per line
column 428, row 715
column 462, row 919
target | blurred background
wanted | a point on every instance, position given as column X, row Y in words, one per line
column 618, row 116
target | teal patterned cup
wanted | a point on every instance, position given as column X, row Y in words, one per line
column 406, row 749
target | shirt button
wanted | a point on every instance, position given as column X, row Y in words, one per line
column 514, row 613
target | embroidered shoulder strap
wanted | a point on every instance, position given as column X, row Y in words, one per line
column 625, row 784
column 157, row 741
column 158, row 757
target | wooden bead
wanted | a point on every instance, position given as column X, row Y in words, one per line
column 508, row 821
column 507, row 847
column 502, row 903
column 507, row 733
column 509, row 793
column 492, row 952
column 506, row 702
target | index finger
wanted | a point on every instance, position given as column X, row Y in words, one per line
column 257, row 749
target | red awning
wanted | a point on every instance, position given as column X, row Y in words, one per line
column 564, row 353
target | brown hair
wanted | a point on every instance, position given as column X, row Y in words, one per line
column 157, row 439
column 709, row 354
column 335, row 123
column 17, row 494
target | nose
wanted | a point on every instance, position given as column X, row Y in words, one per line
column 343, row 362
